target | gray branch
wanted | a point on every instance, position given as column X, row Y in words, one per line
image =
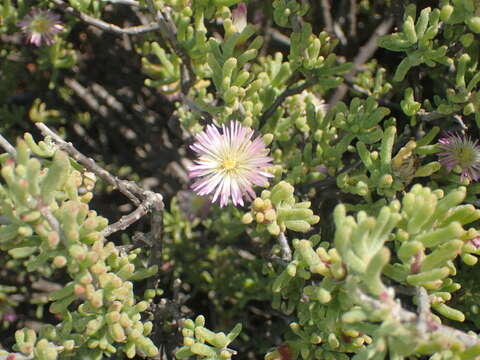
column 83, row 93
column 352, row 16
column 112, row 28
column 423, row 310
column 403, row 315
column 284, row 247
column 125, row 187
column 7, row 147
column 327, row 16
column 124, row 2
column 153, row 201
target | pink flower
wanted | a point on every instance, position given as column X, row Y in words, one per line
column 40, row 25
column 476, row 241
column 461, row 151
column 229, row 163
column 239, row 17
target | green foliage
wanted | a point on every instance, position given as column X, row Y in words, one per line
column 416, row 40
column 423, row 43
column 398, row 231
column 205, row 344
column 284, row 9
column 334, row 316
column 48, row 226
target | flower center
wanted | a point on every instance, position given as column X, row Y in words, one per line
column 467, row 156
column 229, row 164
column 41, row 25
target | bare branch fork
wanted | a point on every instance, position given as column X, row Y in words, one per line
column 146, row 201
column 151, row 202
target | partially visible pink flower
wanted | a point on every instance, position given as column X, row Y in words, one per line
column 460, row 150
column 239, row 17
column 40, row 26
column 476, row 241
column 229, row 163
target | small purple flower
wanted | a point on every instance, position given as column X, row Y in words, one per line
column 229, row 163
column 460, row 150
column 40, row 25
column 192, row 205
column 9, row 316
column 322, row 169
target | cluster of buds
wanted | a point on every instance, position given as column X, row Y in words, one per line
column 30, row 347
column 262, row 212
column 283, row 9
column 203, row 343
column 277, row 210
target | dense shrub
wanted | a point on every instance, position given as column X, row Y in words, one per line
column 216, row 178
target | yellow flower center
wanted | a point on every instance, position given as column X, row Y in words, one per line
column 466, row 156
column 41, row 25
column 229, row 164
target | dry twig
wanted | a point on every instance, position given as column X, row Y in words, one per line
column 352, row 16
column 112, row 28
column 7, row 146
column 125, row 187
column 124, row 2
column 423, row 310
column 284, row 247
column 327, row 16
column 149, row 202
column 429, row 116
column 84, row 94
column 408, row 316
